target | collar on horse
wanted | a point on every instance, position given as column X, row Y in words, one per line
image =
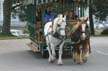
column 56, row 34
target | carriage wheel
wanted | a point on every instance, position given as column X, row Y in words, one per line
column 44, row 53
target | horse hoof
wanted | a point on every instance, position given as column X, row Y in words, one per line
column 84, row 60
column 60, row 63
column 74, row 60
column 50, row 60
column 53, row 59
column 80, row 63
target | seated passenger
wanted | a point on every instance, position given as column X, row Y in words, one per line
column 48, row 15
column 73, row 15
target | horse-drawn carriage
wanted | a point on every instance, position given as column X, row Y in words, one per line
column 76, row 33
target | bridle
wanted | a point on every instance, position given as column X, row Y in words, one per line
column 56, row 33
column 86, row 32
column 79, row 32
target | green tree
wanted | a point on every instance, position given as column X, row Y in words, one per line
column 100, row 8
column 7, row 9
column 90, row 17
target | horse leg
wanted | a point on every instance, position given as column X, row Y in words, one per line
column 49, row 50
column 74, row 54
column 85, row 50
column 60, row 62
column 53, row 53
column 78, row 55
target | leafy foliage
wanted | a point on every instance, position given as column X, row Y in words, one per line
column 105, row 32
column 10, row 8
column 18, row 10
column 100, row 8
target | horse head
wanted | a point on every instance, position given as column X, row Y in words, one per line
column 59, row 24
column 79, row 30
column 84, row 27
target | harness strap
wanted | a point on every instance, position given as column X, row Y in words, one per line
column 50, row 33
column 60, row 43
column 83, row 32
column 62, row 29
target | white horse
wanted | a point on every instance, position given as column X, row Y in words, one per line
column 53, row 28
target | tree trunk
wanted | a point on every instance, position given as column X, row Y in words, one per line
column 91, row 21
column 7, row 7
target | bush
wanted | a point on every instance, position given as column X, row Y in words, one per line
column 104, row 32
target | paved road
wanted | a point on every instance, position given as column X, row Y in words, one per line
column 15, row 55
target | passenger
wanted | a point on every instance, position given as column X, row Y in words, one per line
column 38, row 18
column 48, row 15
column 38, row 25
column 73, row 15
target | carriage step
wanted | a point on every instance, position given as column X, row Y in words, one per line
column 33, row 47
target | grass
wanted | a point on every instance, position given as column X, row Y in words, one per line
column 3, row 37
column 101, row 32
column 105, row 32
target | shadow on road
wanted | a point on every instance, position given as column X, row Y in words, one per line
column 66, row 55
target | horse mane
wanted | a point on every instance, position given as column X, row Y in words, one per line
column 78, row 24
column 57, row 21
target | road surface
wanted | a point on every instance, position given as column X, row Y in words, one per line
column 15, row 55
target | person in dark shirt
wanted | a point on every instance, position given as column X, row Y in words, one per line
column 38, row 14
column 38, row 18
column 38, row 25
column 48, row 15
column 73, row 15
